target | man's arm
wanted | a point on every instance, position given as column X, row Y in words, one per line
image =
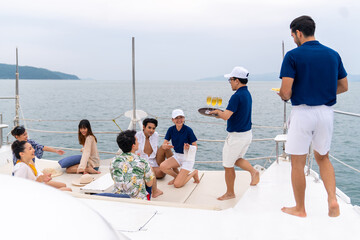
column 166, row 145
column 286, row 88
column 150, row 183
column 50, row 149
column 342, row 85
column 222, row 114
column 149, row 175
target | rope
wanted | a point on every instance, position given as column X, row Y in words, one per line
column 347, row 165
column 200, row 140
column 347, row 113
column 112, row 120
column 64, row 132
column 68, row 120
column 249, row 159
column 79, row 150
column 215, row 123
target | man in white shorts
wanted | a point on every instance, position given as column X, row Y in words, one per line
column 238, row 116
column 148, row 149
column 312, row 74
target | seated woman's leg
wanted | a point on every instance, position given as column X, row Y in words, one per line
column 167, row 167
column 72, row 169
column 92, row 170
column 183, row 177
column 56, row 184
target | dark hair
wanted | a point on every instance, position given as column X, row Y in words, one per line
column 125, row 140
column 85, row 124
column 18, row 130
column 304, row 24
column 242, row 80
column 17, row 147
column 150, row 120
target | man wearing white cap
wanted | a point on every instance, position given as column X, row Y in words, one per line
column 182, row 138
column 238, row 116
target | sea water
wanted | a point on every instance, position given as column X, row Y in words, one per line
column 59, row 105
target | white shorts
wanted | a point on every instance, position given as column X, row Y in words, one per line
column 153, row 162
column 187, row 165
column 309, row 124
column 235, row 147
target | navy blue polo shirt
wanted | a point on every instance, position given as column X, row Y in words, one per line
column 315, row 69
column 178, row 138
column 240, row 104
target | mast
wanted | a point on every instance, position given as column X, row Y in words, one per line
column 17, row 104
column 133, row 84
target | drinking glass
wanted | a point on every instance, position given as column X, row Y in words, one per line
column 208, row 100
column 219, row 101
column 214, row 101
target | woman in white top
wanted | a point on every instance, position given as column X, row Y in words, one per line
column 89, row 161
column 25, row 167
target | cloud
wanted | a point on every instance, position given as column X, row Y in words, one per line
column 92, row 38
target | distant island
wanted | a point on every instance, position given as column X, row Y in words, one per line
column 271, row 77
column 7, row 71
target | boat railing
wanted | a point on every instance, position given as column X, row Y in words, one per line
column 25, row 120
column 310, row 159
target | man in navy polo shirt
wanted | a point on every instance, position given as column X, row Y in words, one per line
column 312, row 75
column 238, row 116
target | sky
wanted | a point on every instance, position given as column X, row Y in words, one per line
column 174, row 40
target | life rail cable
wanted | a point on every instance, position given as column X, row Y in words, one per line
column 151, row 115
column 200, row 162
column 161, row 135
column 345, row 164
column 347, row 113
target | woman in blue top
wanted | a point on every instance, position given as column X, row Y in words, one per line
column 181, row 137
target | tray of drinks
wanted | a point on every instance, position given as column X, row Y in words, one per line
column 211, row 101
column 206, row 111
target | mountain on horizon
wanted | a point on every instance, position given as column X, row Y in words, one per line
column 7, row 71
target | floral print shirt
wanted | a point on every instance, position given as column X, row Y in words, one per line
column 38, row 150
column 130, row 174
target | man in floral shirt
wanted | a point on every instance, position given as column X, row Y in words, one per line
column 130, row 172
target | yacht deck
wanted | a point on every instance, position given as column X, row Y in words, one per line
column 203, row 195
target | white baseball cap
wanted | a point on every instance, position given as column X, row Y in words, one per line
column 177, row 112
column 238, row 72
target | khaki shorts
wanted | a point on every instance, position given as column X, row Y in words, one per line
column 309, row 125
column 235, row 147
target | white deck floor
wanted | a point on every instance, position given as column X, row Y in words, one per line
column 202, row 195
column 256, row 214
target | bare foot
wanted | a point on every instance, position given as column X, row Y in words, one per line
column 334, row 209
column 226, row 196
column 294, row 211
column 91, row 171
column 171, row 182
column 156, row 193
column 255, row 178
column 196, row 176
